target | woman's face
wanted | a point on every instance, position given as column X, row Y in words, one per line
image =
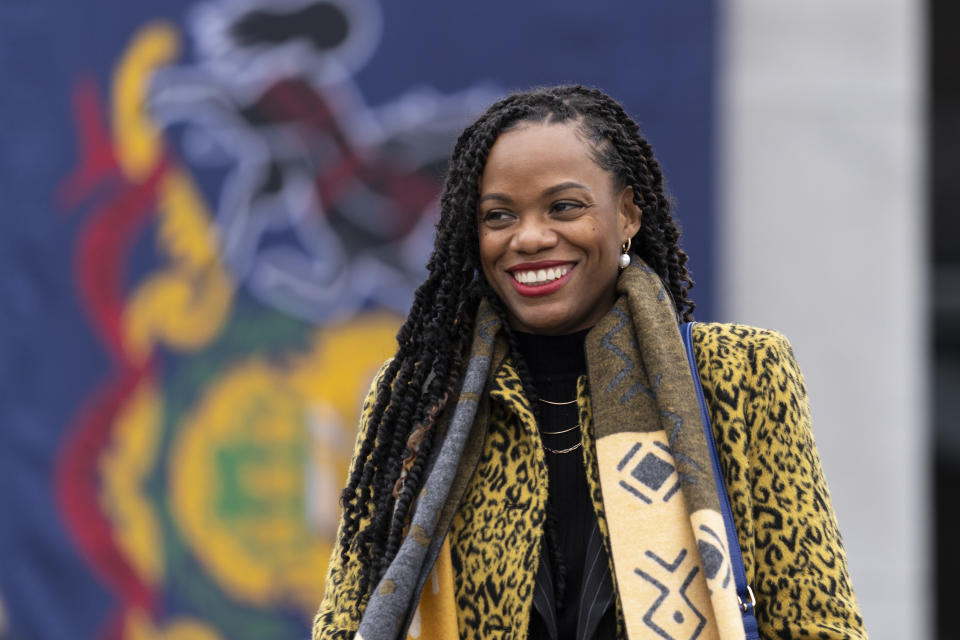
column 551, row 224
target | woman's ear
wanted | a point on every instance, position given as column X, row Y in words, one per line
column 630, row 213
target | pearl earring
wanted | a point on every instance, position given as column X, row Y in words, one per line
column 625, row 255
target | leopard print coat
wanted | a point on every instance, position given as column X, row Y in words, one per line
column 792, row 550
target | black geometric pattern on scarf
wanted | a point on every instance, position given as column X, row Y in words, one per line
column 652, row 471
column 658, row 617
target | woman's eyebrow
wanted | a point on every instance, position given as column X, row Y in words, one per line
column 549, row 191
column 496, row 196
column 563, row 186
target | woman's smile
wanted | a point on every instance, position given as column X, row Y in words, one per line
column 540, row 278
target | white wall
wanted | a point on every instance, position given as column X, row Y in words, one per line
column 822, row 237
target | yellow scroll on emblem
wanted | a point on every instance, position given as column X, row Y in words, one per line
column 184, row 304
column 124, row 467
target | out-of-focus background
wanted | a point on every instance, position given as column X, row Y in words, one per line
column 215, row 212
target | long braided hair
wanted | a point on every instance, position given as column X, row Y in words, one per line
column 388, row 470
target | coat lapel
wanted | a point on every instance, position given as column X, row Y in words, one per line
column 544, row 596
column 596, row 590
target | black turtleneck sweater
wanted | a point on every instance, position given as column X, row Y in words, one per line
column 555, row 363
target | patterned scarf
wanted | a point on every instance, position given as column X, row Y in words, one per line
column 670, row 554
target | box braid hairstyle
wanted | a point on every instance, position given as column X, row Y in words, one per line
column 388, row 469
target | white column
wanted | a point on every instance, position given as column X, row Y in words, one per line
column 822, row 224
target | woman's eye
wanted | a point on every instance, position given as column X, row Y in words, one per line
column 565, row 206
column 496, row 217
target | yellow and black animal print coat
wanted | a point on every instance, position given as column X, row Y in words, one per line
column 486, row 571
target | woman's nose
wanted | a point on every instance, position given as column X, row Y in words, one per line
column 532, row 236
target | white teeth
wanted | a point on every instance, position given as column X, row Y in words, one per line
column 541, row 276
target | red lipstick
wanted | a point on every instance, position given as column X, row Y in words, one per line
column 543, row 289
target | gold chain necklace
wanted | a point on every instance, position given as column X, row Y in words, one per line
column 560, row 451
column 556, row 433
column 558, row 404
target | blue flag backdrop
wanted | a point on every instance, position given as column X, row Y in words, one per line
column 214, row 217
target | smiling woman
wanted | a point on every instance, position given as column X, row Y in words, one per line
column 537, row 459
column 552, row 223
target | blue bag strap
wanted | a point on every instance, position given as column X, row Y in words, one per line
column 744, row 593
